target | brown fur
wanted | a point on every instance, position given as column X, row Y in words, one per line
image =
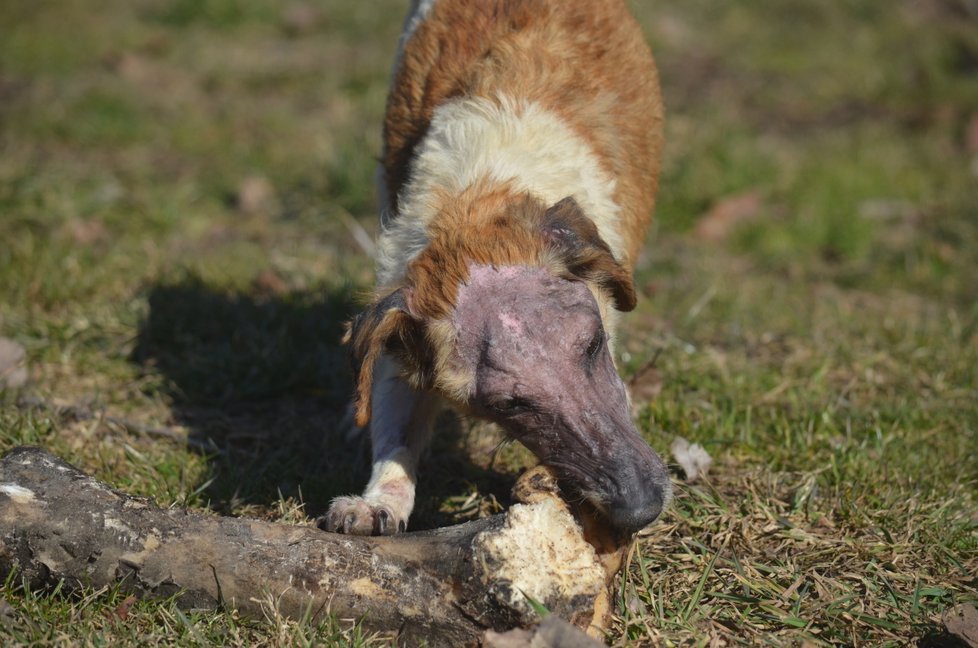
column 480, row 227
column 583, row 69
column 585, row 61
column 563, row 51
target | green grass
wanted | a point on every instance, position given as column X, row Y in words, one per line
column 824, row 349
column 109, row 617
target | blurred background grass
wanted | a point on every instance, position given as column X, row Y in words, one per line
column 184, row 186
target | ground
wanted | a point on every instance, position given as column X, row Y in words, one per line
column 186, row 208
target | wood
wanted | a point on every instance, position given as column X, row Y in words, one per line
column 447, row 586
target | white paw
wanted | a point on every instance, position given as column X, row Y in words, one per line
column 356, row 516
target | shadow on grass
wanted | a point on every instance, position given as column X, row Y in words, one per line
column 936, row 637
column 266, row 380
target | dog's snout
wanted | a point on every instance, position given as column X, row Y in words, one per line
column 638, row 488
column 638, row 510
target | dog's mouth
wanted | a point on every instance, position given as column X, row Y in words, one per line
column 610, row 467
column 630, row 496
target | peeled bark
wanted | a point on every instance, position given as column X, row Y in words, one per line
column 446, row 586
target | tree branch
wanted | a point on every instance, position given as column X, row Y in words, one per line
column 446, row 586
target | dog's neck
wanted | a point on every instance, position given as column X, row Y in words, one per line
column 481, row 142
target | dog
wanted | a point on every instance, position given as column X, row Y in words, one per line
column 521, row 157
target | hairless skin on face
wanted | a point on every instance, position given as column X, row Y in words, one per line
column 543, row 370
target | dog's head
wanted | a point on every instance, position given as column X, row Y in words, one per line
column 509, row 322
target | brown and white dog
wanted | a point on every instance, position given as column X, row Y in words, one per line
column 521, row 158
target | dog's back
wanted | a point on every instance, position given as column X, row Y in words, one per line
column 584, row 64
column 521, row 158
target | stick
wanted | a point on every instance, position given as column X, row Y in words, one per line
column 446, row 586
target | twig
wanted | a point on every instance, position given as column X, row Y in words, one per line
column 359, row 234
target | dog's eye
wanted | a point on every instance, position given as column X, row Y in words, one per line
column 510, row 406
column 595, row 345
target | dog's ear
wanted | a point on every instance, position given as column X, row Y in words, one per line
column 576, row 238
column 387, row 325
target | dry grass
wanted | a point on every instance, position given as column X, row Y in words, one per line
column 184, row 188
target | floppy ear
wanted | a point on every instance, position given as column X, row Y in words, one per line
column 586, row 254
column 386, row 325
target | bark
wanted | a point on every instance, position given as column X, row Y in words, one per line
column 446, row 586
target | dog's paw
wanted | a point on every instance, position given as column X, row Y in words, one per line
column 357, row 516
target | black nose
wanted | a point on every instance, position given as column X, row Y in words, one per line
column 637, row 486
column 636, row 511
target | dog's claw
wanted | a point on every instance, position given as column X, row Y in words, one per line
column 381, row 522
column 386, row 523
column 357, row 516
column 349, row 520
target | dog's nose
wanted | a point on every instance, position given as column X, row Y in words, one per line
column 637, row 510
column 637, row 486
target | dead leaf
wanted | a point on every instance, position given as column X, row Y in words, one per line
column 271, row 283
column 7, row 612
column 255, row 195
column 691, row 457
column 962, row 622
column 718, row 223
column 122, row 610
column 86, row 232
column 301, row 18
column 13, row 366
column 131, row 67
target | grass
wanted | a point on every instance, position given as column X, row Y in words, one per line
column 180, row 183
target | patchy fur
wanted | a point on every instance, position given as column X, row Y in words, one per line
column 522, row 136
column 583, row 62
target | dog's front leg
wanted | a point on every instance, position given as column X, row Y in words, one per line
column 400, row 426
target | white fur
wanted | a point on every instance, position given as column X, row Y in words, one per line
column 416, row 15
column 399, row 469
column 400, row 424
column 469, row 140
column 507, row 141
column 393, row 402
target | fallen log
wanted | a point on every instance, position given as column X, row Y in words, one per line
column 446, row 586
